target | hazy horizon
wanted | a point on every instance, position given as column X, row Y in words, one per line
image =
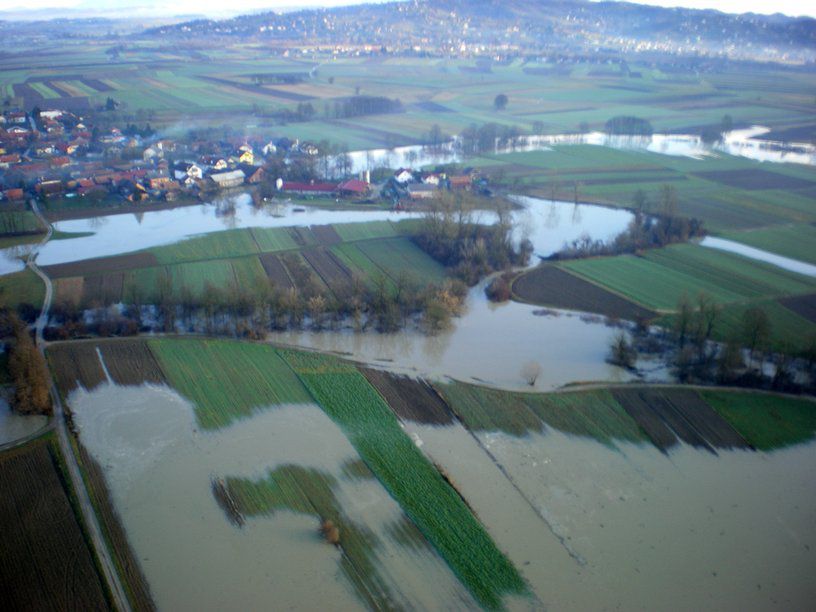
column 145, row 8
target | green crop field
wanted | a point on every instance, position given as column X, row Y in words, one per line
column 270, row 239
column 593, row 414
column 216, row 245
column 227, row 380
column 432, row 504
column 20, row 288
column 365, row 231
column 398, row 256
column 661, row 277
column 794, row 241
column 766, row 421
column 14, row 222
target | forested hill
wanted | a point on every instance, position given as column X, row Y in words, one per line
column 447, row 25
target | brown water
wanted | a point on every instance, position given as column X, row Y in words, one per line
column 159, row 467
column 637, row 529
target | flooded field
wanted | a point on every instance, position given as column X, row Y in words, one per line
column 593, row 527
column 14, row 426
column 159, row 468
column 124, row 233
column 590, row 526
column 741, row 143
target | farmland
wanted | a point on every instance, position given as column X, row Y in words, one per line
column 23, row 288
column 17, row 223
column 237, row 378
column 326, row 257
column 45, row 561
column 549, row 285
column 660, row 278
column 794, row 241
column 230, row 382
column 426, row 497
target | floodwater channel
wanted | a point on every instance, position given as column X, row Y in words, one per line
column 741, row 143
column 786, row 263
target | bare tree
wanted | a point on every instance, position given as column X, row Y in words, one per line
column 530, row 372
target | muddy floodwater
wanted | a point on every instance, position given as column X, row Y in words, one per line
column 589, row 526
column 492, row 343
column 593, row 527
column 159, row 467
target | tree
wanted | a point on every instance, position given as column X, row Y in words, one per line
column 683, row 321
column 726, row 124
column 500, row 102
column 756, row 330
column 530, row 372
column 622, row 353
column 729, row 362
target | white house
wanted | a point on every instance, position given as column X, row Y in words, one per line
column 403, row 176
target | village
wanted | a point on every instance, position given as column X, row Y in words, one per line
column 62, row 159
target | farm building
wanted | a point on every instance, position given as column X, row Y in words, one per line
column 225, row 180
column 308, row 188
column 460, row 182
column 354, row 187
column 421, row 191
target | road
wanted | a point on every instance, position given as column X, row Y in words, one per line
column 94, row 530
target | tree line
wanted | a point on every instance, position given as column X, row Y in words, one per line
column 26, row 367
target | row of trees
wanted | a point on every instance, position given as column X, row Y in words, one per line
column 705, row 348
column 380, row 304
column 645, row 231
column 26, row 365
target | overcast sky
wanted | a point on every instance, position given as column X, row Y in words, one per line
column 216, row 7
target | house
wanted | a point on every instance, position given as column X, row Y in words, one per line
column 308, row 188
column 432, row 179
column 354, row 187
column 186, row 170
column 269, row 149
column 225, row 180
column 421, row 191
column 460, row 182
column 16, row 117
column 14, row 195
column 214, row 162
column 53, row 187
column 253, row 174
column 307, row 148
column 403, row 176
column 246, row 157
column 161, row 183
column 45, row 148
column 7, row 160
column 60, row 162
column 150, row 153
